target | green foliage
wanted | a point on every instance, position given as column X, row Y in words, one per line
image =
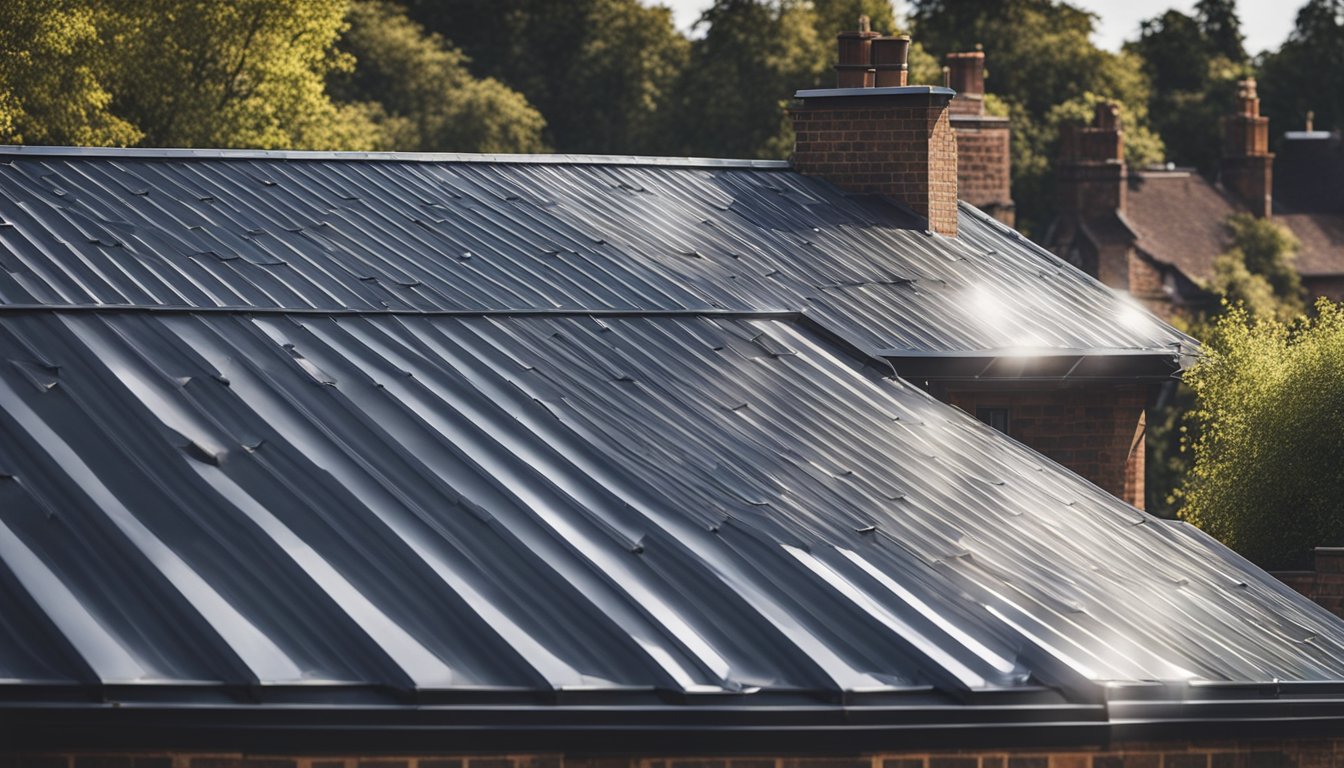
column 603, row 73
column 836, row 16
column 1221, row 28
column 1194, row 64
column 249, row 73
column 753, row 56
column 419, row 93
column 1257, row 271
column 1307, row 72
column 1267, row 476
column 1036, row 141
column 1269, row 248
column 51, row 66
column 1042, row 62
column 1142, row 145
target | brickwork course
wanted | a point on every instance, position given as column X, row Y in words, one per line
column 984, row 174
column 898, row 146
column 1096, row 431
column 1324, row 583
column 1275, row 754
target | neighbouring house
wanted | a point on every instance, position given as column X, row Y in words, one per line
column 1155, row 232
column 471, row 461
column 984, row 153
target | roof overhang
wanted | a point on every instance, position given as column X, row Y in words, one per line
column 666, row 729
column 1039, row 366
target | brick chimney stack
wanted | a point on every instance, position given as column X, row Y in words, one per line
column 966, row 76
column 1247, row 165
column 1091, row 176
column 882, row 137
column 984, row 155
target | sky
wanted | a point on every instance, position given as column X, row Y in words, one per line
column 1265, row 23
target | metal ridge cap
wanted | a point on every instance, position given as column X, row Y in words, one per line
column 147, row 153
column 175, row 309
column 1028, row 352
column 899, row 90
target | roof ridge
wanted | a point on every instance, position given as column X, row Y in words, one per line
column 148, row 153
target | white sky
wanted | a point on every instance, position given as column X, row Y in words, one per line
column 1265, row 23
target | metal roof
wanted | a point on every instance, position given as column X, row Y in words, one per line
column 666, row 513
column 300, row 470
column 415, row 232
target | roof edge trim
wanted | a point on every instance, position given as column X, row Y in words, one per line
column 144, row 153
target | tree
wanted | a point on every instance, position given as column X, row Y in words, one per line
column 753, row 56
column 248, row 73
column 1308, row 70
column 1270, row 412
column 1256, row 276
column 1039, row 55
column 1267, row 248
column 601, row 72
column 1194, row 64
column 1221, row 29
column 418, row 91
column 836, row 16
column 51, row 77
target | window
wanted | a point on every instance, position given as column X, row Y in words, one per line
column 994, row 417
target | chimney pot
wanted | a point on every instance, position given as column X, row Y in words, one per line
column 891, row 60
column 968, row 72
column 894, row 141
column 854, row 68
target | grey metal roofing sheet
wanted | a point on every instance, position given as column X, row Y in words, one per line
column 518, row 504
column 418, row 232
column 580, row 448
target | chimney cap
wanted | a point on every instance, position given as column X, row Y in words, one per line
column 903, row 90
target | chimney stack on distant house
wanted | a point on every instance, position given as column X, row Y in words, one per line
column 880, row 136
column 984, row 156
column 966, row 76
column 1247, row 165
column 1090, row 179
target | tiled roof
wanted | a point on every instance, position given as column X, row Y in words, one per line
column 1322, row 239
column 1180, row 219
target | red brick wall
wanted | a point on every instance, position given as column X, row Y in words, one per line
column 1096, row 430
column 898, row 146
column 1325, row 584
column 1252, row 180
column 984, row 168
column 1246, row 754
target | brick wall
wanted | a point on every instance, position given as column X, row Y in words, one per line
column 984, row 169
column 1246, row 754
column 1096, row 430
column 1324, row 584
column 900, row 146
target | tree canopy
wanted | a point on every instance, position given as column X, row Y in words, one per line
column 1307, row 72
column 51, row 91
column 1041, row 62
column 602, row 72
column 418, row 92
column 1269, row 413
column 250, row 73
column 1193, row 63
